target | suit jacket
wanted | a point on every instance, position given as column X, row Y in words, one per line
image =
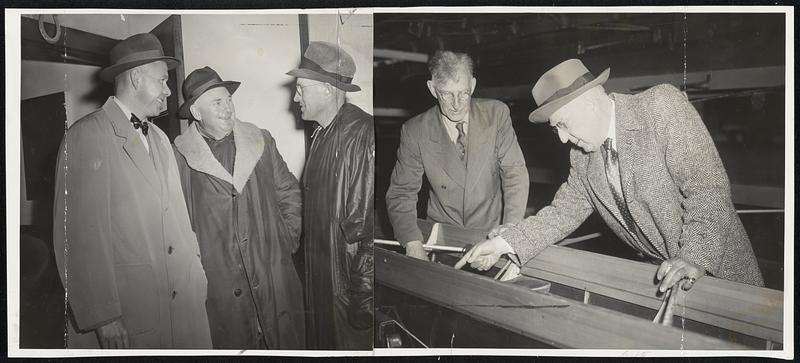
column 124, row 245
column 673, row 182
column 491, row 189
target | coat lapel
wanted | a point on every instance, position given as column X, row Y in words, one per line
column 198, row 155
column 479, row 149
column 249, row 148
column 132, row 145
column 628, row 129
column 445, row 150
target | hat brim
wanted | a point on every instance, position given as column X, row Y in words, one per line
column 542, row 114
column 184, row 111
column 109, row 73
column 307, row 73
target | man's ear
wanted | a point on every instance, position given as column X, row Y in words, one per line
column 472, row 83
column 195, row 112
column 432, row 89
column 135, row 77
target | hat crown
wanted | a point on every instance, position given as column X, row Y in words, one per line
column 199, row 77
column 558, row 78
column 139, row 44
column 331, row 58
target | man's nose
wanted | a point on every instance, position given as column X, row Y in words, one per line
column 167, row 91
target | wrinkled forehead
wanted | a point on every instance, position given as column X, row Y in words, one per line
column 214, row 94
column 458, row 81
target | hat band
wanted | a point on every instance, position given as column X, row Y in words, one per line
column 311, row 65
column 153, row 53
column 199, row 90
column 577, row 83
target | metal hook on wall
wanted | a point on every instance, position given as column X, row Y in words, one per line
column 54, row 39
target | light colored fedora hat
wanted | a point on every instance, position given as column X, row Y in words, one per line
column 329, row 63
column 561, row 84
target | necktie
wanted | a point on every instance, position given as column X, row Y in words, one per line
column 139, row 124
column 612, row 173
column 461, row 141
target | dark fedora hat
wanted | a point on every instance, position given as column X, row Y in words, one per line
column 134, row 51
column 197, row 83
column 561, row 84
column 327, row 62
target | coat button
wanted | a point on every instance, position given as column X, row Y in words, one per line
column 173, row 294
column 255, row 284
column 169, row 250
column 444, row 186
column 237, row 292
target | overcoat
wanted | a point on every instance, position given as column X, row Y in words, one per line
column 338, row 209
column 492, row 188
column 124, row 245
column 248, row 225
column 673, row 182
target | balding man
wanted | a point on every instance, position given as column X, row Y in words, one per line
column 126, row 253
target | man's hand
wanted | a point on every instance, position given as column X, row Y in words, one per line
column 676, row 269
column 113, row 335
column 415, row 249
column 485, row 254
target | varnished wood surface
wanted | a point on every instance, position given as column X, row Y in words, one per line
column 550, row 319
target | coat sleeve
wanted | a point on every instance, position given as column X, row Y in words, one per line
column 513, row 172
column 82, row 236
column 406, row 181
column 570, row 207
column 288, row 191
column 697, row 170
column 357, row 224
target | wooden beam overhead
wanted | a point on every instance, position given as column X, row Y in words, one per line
column 73, row 46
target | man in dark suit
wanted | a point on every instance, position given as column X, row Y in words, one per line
column 468, row 151
column 126, row 253
column 658, row 181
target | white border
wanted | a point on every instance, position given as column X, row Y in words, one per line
column 13, row 43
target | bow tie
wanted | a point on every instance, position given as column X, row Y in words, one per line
column 139, row 124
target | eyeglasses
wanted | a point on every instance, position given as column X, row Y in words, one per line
column 461, row 95
column 299, row 88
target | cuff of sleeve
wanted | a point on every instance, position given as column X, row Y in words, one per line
column 507, row 249
column 404, row 238
column 702, row 259
column 516, row 240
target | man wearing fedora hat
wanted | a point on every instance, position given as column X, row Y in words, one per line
column 338, row 207
column 245, row 207
column 657, row 181
column 467, row 149
column 126, row 252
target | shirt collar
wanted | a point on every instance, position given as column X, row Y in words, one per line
column 122, row 107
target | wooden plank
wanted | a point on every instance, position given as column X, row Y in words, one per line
column 746, row 309
column 543, row 317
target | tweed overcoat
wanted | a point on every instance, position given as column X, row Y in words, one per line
column 123, row 242
column 673, row 182
column 491, row 189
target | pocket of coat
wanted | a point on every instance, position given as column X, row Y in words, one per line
column 138, row 297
